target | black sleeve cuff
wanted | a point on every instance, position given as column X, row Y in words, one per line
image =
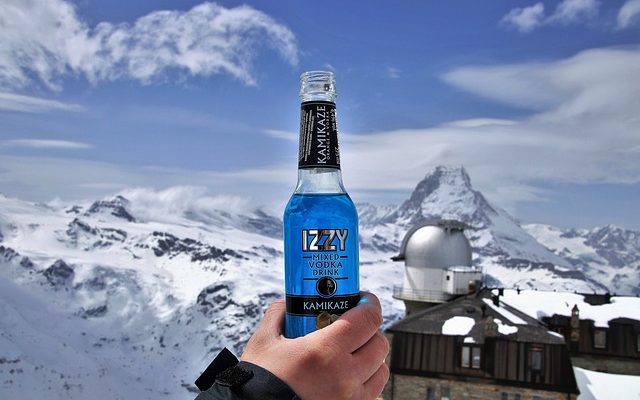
column 247, row 381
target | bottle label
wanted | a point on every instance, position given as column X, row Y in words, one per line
column 314, row 305
column 318, row 136
column 322, row 282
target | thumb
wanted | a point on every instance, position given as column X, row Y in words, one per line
column 272, row 322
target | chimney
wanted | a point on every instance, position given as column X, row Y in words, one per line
column 575, row 323
column 490, row 327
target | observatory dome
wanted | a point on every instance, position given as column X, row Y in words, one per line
column 440, row 244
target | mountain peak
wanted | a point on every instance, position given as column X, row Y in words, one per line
column 455, row 176
column 117, row 207
column 445, row 193
column 449, row 172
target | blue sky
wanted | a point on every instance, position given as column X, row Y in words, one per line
column 540, row 101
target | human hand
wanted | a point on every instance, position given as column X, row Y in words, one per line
column 343, row 361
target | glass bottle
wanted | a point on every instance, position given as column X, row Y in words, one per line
column 320, row 220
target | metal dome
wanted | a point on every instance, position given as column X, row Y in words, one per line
column 436, row 244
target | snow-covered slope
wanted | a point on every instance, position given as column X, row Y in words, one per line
column 609, row 255
column 123, row 298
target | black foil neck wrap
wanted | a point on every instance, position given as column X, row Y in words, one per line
column 318, row 136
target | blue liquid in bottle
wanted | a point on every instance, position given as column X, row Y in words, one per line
column 321, row 259
column 320, row 220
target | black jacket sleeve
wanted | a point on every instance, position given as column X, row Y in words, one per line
column 228, row 379
column 262, row 385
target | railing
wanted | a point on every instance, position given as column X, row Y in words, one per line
column 403, row 293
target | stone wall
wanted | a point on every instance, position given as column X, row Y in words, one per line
column 610, row 365
column 405, row 387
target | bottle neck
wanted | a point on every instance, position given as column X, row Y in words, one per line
column 319, row 156
column 319, row 181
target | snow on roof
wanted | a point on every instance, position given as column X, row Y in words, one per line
column 540, row 304
column 458, row 326
column 505, row 313
column 601, row 386
column 505, row 329
column 556, row 334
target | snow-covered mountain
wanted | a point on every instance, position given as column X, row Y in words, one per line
column 131, row 296
column 510, row 256
column 609, row 254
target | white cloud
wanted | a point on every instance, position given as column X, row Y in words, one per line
column 585, row 113
column 329, row 67
column 521, row 78
column 29, row 104
column 284, row 135
column 478, row 122
column 176, row 201
column 45, row 144
column 44, row 178
column 582, row 128
column 570, row 11
column 597, row 81
column 629, row 14
column 48, row 40
column 527, row 19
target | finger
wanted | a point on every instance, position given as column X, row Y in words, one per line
column 374, row 386
column 369, row 357
column 355, row 327
column 272, row 321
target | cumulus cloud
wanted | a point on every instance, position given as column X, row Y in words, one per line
column 45, row 144
column 47, row 40
column 629, row 14
column 527, row 19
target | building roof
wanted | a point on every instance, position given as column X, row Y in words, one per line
column 600, row 309
column 468, row 316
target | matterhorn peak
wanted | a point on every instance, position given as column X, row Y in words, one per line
column 445, row 193
column 449, row 173
column 454, row 176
